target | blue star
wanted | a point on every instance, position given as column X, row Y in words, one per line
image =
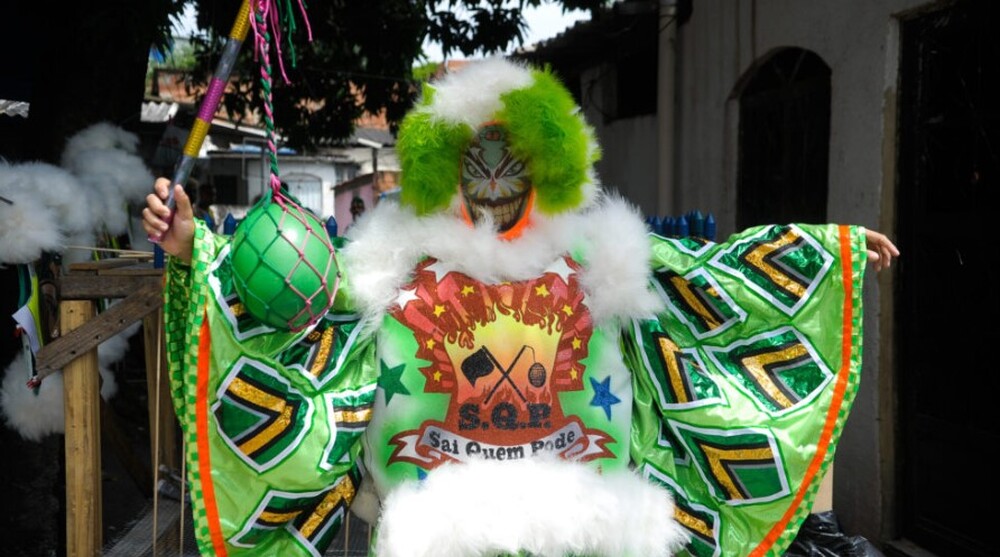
column 603, row 396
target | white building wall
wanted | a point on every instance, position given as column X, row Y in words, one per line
column 717, row 47
column 628, row 146
column 329, row 172
column 387, row 159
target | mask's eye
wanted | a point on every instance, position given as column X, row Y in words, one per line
column 472, row 169
column 516, row 167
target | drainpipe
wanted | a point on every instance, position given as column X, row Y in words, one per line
column 668, row 195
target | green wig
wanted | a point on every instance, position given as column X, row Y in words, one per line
column 545, row 130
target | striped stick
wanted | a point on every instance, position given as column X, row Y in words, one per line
column 209, row 105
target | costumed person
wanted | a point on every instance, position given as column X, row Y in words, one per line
column 514, row 365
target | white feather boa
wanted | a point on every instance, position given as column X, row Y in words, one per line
column 546, row 506
column 390, row 240
column 100, row 178
column 35, row 415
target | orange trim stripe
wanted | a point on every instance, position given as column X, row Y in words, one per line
column 838, row 395
column 204, row 460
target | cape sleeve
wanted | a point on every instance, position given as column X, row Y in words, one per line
column 743, row 384
column 271, row 420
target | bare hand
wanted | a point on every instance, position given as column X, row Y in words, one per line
column 176, row 235
column 880, row 249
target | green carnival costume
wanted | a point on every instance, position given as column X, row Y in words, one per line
column 717, row 376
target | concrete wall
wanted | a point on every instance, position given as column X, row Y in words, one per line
column 628, row 146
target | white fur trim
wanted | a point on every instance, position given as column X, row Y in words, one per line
column 71, row 256
column 28, row 227
column 471, row 95
column 54, row 187
column 33, row 416
column 366, row 502
column 387, row 244
column 618, row 254
column 103, row 136
column 103, row 157
column 550, row 508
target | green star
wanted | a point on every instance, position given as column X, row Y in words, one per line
column 391, row 381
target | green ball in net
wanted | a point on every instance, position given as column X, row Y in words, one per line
column 284, row 267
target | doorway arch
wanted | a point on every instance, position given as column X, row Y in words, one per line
column 784, row 139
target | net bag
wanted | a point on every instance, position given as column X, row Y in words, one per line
column 284, row 265
column 284, row 268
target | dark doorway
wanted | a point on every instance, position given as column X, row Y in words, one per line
column 784, row 141
column 948, row 294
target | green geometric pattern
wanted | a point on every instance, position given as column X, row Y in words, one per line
column 749, row 459
column 185, row 295
column 782, row 264
column 698, row 301
column 350, row 412
column 780, row 369
column 691, row 245
column 701, row 522
column 310, row 519
column 321, row 353
column 259, row 414
column 678, row 374
column 739, row 466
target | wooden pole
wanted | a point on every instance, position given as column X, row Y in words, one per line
column 82, row 392
column 163, row 426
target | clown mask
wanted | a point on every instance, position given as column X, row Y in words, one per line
column 495, row 182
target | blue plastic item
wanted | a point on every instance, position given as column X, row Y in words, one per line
column 229, row 224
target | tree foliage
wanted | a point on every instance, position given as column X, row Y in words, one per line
column 361, row 57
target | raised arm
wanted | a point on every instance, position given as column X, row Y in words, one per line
column 178, row 234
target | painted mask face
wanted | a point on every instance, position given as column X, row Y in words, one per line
column 493, row 180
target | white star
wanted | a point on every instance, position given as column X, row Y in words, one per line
column 561, row 268
column 439, row 269
column 405, row 297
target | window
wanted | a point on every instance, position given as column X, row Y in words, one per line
column 308, row 189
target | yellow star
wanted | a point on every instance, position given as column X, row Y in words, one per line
column 437, row 376
column 542, row 291
column 567, row 310
column 467, row 289
column 572, row 374
column 430, row 344
column 438, row 310
column 576, row 343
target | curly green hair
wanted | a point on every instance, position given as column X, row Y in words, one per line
column 545, row 129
